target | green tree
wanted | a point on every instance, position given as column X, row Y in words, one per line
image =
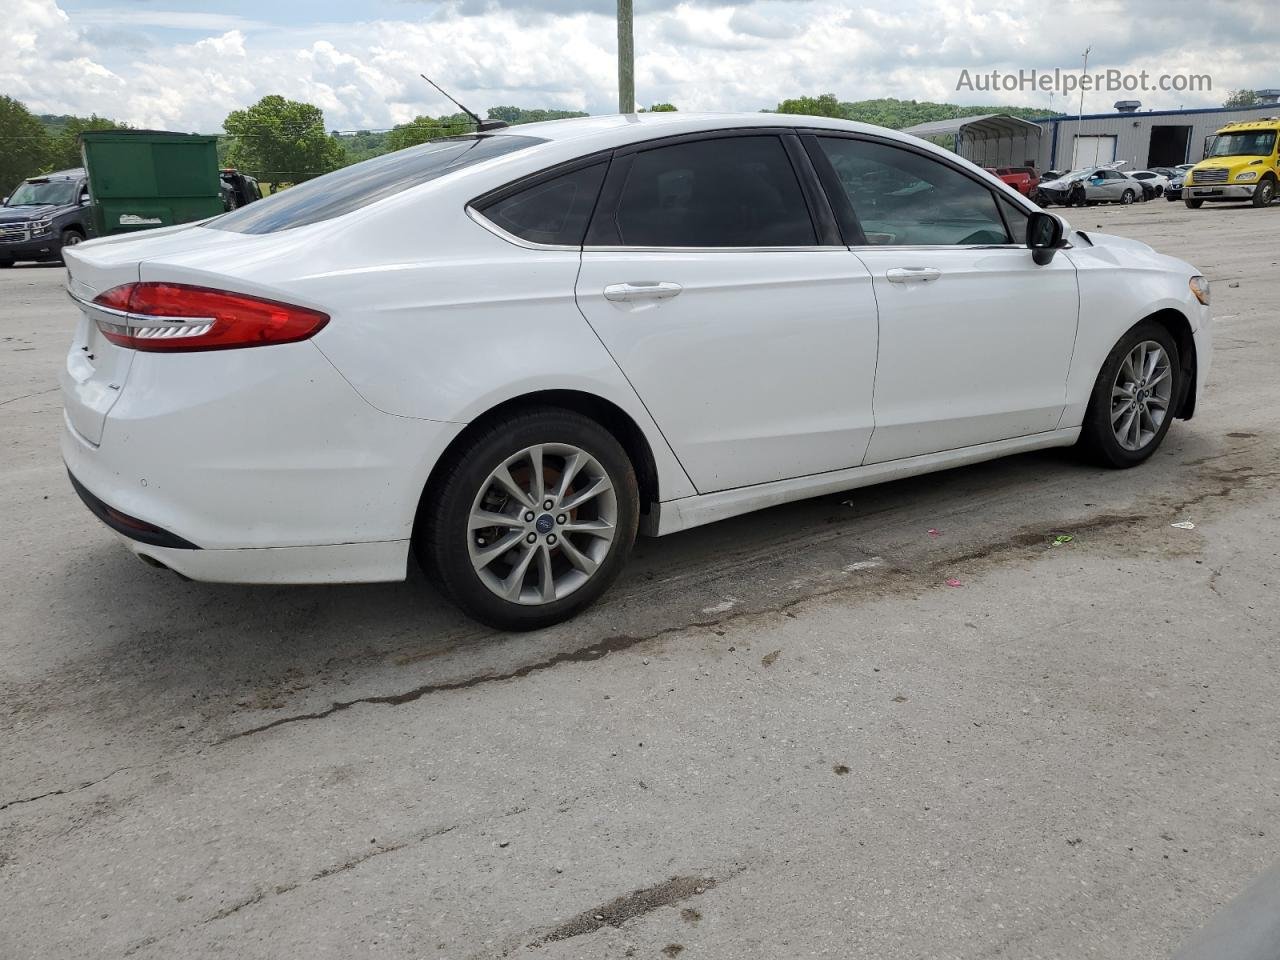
column 660, row 108
column 824, row 106
column 1241, row 98
column 422, row 129
column 24, row 145
column 281, row 140
column 516, row 115
column 64, row 150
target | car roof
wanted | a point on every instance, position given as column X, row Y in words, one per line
column 75, row 173
column 621, row 129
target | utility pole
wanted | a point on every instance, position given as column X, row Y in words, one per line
column 1080, row 118
column 626, row 60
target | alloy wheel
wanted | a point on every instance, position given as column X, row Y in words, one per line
column 542, row 523
column 1141, row 395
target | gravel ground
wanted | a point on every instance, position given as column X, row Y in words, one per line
column 780, row 736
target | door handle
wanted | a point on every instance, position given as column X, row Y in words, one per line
column 912, row 274
column 641, row 290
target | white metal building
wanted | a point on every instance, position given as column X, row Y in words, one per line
column 1141, row 138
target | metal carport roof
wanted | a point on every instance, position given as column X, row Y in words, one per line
column 986, row 126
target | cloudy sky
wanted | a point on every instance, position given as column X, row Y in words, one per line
column 183, row 64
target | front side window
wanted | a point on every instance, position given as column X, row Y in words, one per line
column 361, row 184
column 555, row 211
column 731, row 192
column 903, row 198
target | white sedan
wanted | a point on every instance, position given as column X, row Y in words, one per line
column 1157, row 180
column 509, row 352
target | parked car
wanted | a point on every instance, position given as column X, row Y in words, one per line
column 1089, row 186
column 1023, row 179
column 1158, row 181
column 43, row 215
column 596, row 337
column 238, row 188
column 1174, row 191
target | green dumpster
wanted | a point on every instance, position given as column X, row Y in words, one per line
column 142, row 179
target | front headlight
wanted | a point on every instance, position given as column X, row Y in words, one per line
column 1200, row 288
column 1247, row 175
column 41, row 226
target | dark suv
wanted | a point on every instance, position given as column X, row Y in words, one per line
column 43, row 215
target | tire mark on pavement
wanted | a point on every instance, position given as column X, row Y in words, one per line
column 634, row 904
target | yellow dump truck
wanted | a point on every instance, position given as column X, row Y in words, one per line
column 1242, row 164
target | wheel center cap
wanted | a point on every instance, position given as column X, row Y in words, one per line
column 545, row 523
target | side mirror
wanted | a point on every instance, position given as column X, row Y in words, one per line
column 1045, row 235
column 84, row 200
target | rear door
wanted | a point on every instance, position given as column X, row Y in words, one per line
column 714, row 274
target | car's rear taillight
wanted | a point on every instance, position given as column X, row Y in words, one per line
column 174, row 317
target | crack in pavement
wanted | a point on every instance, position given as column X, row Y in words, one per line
column 593, row 651
column 261, row 895
column 28, row 396
column 63, row 791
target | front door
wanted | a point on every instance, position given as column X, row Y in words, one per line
column 752, row 344
column 975, row 338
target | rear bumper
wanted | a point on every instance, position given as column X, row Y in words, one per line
column 1220, row 191
column 264, row 462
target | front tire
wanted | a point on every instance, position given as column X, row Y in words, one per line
column 1127, row 197
column 1265, row 193
column 533, row 521
column 6, row 262
column 1194, row 204
column 68, row 238
column 1134, row 398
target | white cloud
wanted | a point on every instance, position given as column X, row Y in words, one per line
column 698, row 54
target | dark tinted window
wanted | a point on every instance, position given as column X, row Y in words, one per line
column 554, row 211
column 361, row 184
column 905, row 198
column 734, row 192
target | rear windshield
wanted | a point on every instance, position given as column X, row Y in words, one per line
column 361, row 184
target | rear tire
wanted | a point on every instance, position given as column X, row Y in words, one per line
column 1265, row 193
column 1131, row 409
column 579, row 544
column 1127, row 197
column 6, row 262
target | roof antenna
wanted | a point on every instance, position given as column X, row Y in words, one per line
column 481, row 125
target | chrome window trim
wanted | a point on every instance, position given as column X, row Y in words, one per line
column 511, row 238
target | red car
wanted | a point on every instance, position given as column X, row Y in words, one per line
column 1023, row 179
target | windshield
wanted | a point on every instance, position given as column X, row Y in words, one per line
column 1257, row 144
column 361, row 184
column 37, row 194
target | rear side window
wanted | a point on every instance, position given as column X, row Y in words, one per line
column 731, row 192
column 360, row 184
column 555, row 211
